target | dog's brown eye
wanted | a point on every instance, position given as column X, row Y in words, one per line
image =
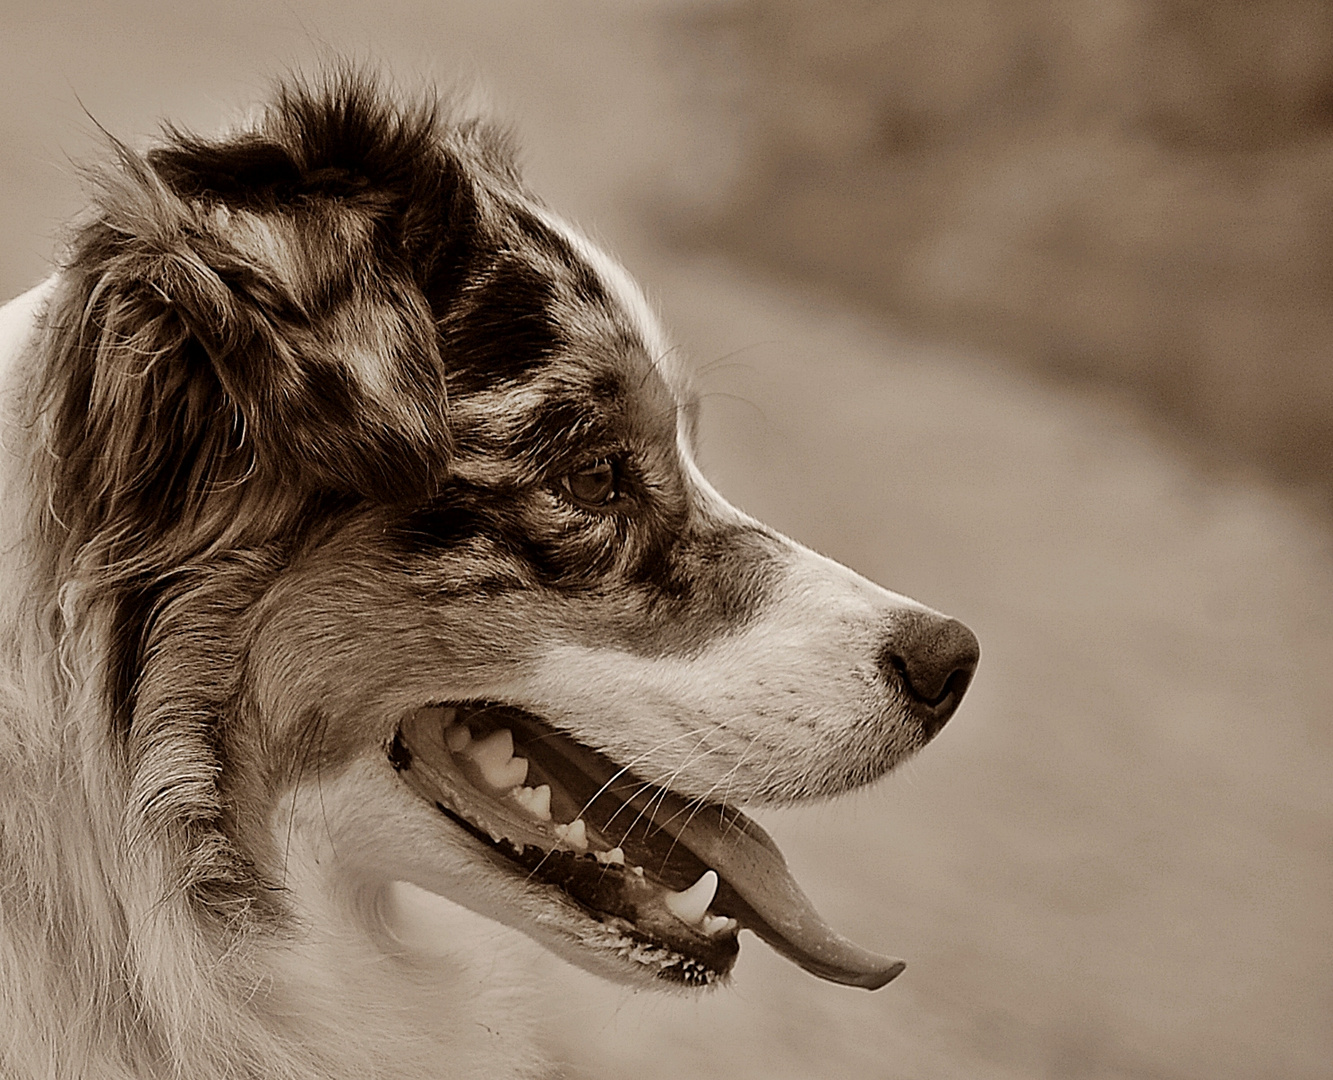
column 594, row 485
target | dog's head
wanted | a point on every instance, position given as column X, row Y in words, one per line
column 375, row 481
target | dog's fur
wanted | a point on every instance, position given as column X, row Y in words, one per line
column 287, row 448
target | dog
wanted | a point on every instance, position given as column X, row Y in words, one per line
column 354, row 552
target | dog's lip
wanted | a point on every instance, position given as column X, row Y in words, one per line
column 755, row 885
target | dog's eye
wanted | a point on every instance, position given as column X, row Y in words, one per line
column 593, row 485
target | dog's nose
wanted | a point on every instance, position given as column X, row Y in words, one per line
column 932, row 659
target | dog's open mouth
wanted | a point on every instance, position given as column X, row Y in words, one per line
column 674, row 879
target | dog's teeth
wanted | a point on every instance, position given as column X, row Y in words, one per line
column 536, row 801
column 495, row 749
column 637, row 871
column 575, row 834
column 494, row 756
column 691, row 905
column 512, row 774
column 457, row 737
column 714, row 925
column 614, row 857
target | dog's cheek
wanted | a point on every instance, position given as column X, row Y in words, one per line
column 351, row 643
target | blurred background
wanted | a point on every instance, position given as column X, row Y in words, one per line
column 1138, row 193
column 1021, row 308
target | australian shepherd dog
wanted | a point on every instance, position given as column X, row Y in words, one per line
column 353, row 552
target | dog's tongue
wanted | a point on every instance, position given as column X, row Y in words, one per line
column 766, row 897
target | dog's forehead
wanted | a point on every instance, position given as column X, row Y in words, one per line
column 628, row 300
column 569, row 340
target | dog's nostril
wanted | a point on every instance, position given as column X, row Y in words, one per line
column 933, row 659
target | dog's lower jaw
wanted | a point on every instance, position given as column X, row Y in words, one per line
column 361, row 832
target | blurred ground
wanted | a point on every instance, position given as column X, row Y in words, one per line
column 1117, row 861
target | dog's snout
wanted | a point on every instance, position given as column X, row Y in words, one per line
column 932, row 659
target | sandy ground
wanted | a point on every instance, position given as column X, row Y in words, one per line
column 1117, row 861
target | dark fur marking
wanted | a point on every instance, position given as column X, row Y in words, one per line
column 441, row 525
column 552, row 553
column 131, row 627
column 508, row 329
column 563, row 433
column 704, row 585
column 251, row 172
column 587, row 285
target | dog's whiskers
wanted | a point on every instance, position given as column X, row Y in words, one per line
column 663, row 784
column 628, row 767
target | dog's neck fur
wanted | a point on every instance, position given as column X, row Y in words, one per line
column 103, row 969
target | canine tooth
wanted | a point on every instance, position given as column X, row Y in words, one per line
column 457, row 737
column 515, row 771
column 494, row 756
column 495, row 749
column 713, row 925
column 691, row 905
column 637, row 871
column 536, row 801
column 614, row 857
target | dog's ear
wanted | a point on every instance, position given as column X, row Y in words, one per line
column 265, row 330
